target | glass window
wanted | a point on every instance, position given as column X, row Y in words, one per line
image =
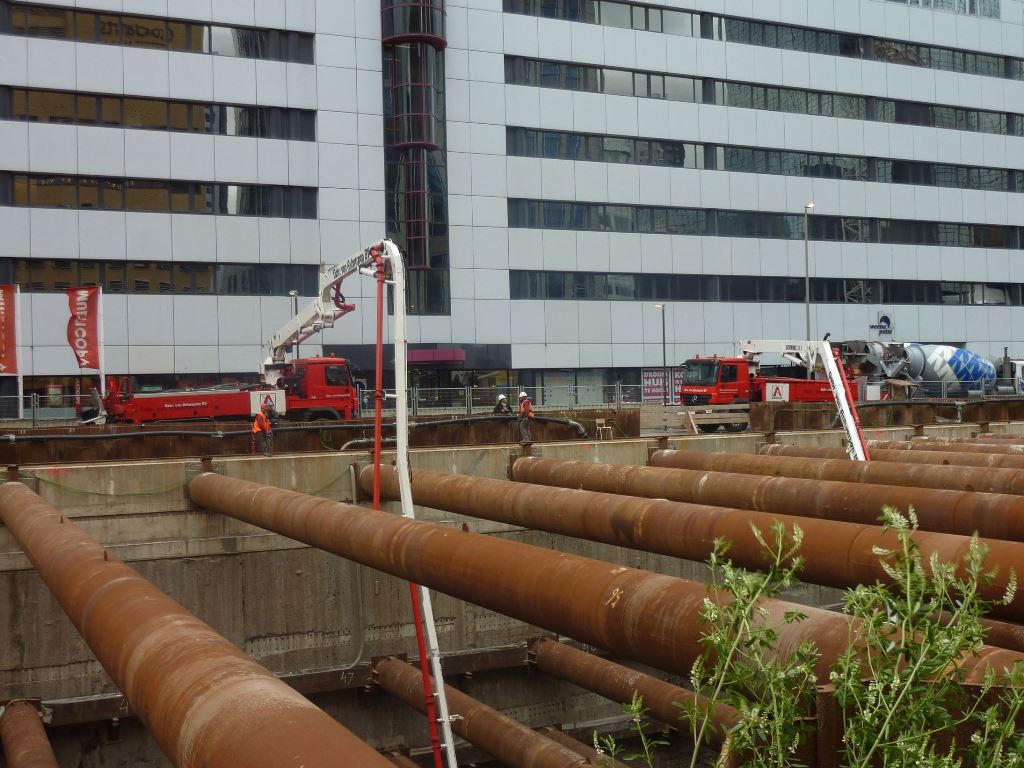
column 113, row 194
column 680, row 88
column 110, row 110
column 145, row 113
column 178, row 113
column 86, row 30
column 615, row 15
column 89, row 193
column 87, row 109
column 141, row 32
column 53, row 192
column 146, row 195
column 110, row 29
column 51, row 107
column 617, row 82
column 177, row 36
column 679, row 23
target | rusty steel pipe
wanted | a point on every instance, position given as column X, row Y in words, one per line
column 836, row 554
column 873, row 472
column 204, row 701
column 592, row 756
column 24, row 738
column 641, row 615
column 993, row 516
column 397, row 758
column 616, row 682
column 933, row 444
column 506, row 740
column 1012, row 437
column 996, row 461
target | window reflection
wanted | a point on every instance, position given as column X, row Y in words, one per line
column 42, row 275
column 156, row 114
column 159, row 33
column 157, row 195
column 602, row 217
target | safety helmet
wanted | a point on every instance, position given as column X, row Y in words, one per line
column 522, row 395
column 502, row 397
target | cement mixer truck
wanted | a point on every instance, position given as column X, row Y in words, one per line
column 940, row 369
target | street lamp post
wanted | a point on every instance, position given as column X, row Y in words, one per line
column 665, row 383
column 295, row 310
column 807, row 268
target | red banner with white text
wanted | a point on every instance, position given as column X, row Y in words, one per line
column 84, row 326
column 8, row 330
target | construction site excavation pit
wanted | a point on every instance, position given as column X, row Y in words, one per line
column 167, row 612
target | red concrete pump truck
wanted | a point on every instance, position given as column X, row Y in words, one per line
column 302, row 389
column 714, row 380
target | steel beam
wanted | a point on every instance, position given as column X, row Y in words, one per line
column 934, row 444
column 994, row 516
column 836, row 554
column 616, row 682
column 998, row 461
column 508, row 741
column 873, row 472
column 204, row 701
column 24, row 738
column 633, row 613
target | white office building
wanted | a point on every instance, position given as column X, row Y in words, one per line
column 576, row 182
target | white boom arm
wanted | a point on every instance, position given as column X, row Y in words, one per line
column 323, row 310
column 815, row 355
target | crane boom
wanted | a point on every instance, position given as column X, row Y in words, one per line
column 813, row 355
column 325, row 308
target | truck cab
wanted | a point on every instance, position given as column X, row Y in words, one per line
column 320, row 388
column 715, row 381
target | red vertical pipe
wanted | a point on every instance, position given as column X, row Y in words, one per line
column 23, row 737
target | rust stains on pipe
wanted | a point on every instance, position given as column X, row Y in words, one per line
column 510, row 742
column 629, row 612
column 875, row 472
column 932, row 444
column 994, row 460
column 24, row 739
column 994, row 516
column 204, row 701
column 837, row 554
column 616, row 682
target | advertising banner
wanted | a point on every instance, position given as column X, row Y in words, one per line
column 84, row 326
column 8, row 330
column 653, row 380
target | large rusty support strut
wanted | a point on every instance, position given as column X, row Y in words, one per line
column 629, row 612
column 204, row 701
column 994, row 516
column 24, row 739
column 873, row 472
column 935, row 444
column 508, row 741
column 836, row 554
column 616, row 682
column 994, row 460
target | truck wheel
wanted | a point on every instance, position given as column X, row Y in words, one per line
column 735, row 427
column 708, row 428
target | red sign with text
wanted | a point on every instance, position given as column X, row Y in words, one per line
column 8, row 330
column 84, row 326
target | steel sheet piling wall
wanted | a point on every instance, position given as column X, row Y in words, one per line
column 837, row 554
column 629, row 612
column 996, row 460
column 24, row 739
column 994, row 516
column 510, row 742
column 204, row 701
column 874, row 472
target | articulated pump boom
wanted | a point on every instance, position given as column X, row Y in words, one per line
column 325, row 308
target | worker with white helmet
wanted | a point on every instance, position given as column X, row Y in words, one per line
column 525, row 416
column 501, row 408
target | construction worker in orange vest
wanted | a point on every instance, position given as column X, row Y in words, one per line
column 261, row 433
column 525, row 417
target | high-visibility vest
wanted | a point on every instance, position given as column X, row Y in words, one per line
column 260, row 423
column 526, row 408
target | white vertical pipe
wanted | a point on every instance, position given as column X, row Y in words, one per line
column 405, row 491
column 17, row 351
